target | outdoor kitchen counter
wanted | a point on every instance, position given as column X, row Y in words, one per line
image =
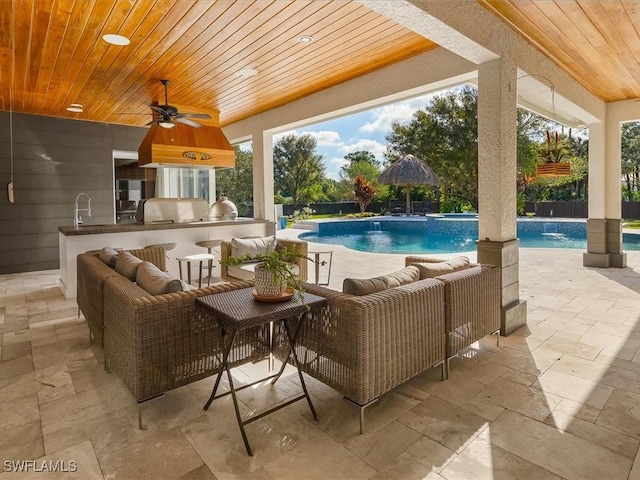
column 143, row 227
column 74, row 241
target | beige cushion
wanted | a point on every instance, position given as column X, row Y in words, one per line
column 155, row 281
column 127, row 265
column 108, row 255
column 246, row 271
column 432, row 270
column 365, row 286
column 252, row 246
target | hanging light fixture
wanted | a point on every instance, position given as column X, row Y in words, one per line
column 10, row 192
column 550, row 162
column 166, row 122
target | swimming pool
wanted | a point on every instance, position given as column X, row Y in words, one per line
column 447, row 234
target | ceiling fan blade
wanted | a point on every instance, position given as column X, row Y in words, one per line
column 159, row 110
column 186, row 121
column 196, row 115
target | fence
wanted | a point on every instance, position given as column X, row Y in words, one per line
column 564, row 209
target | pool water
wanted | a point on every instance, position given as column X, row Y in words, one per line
column 447, row 234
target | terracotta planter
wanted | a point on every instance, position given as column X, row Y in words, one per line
column 553, row 169
column 265, row 283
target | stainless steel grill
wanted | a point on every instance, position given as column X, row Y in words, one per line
column 172, row 210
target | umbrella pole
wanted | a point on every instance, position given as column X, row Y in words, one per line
column 408, row 200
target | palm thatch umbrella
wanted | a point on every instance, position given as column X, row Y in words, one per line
column 409, row 172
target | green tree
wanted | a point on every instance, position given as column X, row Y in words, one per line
column 361, row 163
column 630, row 144
column 237, row 183
column 445, row 135
column 298, row 170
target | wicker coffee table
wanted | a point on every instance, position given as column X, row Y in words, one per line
column 237, row 310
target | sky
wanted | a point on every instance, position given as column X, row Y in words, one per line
column 360, row 131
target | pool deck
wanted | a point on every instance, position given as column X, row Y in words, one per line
column 558, row 398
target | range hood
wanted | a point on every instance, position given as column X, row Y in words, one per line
column 186, row 146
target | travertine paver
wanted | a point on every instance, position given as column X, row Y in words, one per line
column 558, row 399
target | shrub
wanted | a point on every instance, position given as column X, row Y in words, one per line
column 305, row 214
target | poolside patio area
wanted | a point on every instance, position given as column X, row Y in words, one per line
column 557, row 400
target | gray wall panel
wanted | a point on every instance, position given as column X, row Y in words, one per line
column 54, row 160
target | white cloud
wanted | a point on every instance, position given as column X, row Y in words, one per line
column 334, row 164
column 402, row 112
column 280, row 135
column 326, row 138
column 373, row 146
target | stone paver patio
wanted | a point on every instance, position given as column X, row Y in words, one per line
column 559, row 399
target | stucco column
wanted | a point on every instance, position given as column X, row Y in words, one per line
column 263, row 206
column 497, row 168
column 613, row 193
column 604, row 225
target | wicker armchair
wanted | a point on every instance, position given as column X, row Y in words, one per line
column 301, row 247
column 472, row 304
column 364, row 346
column 92, row 273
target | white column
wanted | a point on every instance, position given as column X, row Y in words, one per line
column 613, row 165
column 597, row 171
column 497, row 168
column 604, row 225
column 263, row 206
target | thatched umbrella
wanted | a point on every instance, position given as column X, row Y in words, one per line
column 409, row 172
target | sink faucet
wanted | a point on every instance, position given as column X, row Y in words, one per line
column 77, row 219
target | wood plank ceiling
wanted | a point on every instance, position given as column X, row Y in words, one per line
column 596, row 42
column 201, row 46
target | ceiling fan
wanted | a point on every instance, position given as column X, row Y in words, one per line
column 167, row 115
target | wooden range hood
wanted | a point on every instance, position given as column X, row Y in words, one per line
column 185, row 146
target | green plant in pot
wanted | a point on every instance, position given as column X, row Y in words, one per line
column 274, row 272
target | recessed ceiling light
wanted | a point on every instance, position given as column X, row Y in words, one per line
column 305, row 39
column 248, row 72
column 114, row 39
column 75, row 108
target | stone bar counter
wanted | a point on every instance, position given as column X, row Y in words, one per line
column 74, row 241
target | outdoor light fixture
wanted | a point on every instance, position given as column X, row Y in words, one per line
column 114, row 39
column 75, row 108
column 248, row 72
column 305, row 39
column 166, row 123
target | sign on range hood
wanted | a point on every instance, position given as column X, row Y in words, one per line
column 186, row 146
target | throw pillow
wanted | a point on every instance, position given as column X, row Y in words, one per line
column 127, row 265
column 155, row 281
column 252, row 246
column 366, row 286
column 432, row 270
column 108, row 255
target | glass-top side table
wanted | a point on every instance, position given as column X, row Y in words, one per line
column 237, row 310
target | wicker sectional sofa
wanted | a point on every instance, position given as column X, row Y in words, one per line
column 155, row 343
column 92, row 272
column 365, row 345
column 472, row 302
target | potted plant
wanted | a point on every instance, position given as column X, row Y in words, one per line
column 275, row 278
column 550, row 158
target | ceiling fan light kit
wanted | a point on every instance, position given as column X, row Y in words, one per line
column 172, row 142
column 166, row 123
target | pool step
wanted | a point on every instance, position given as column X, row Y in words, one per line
column 306, row 225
